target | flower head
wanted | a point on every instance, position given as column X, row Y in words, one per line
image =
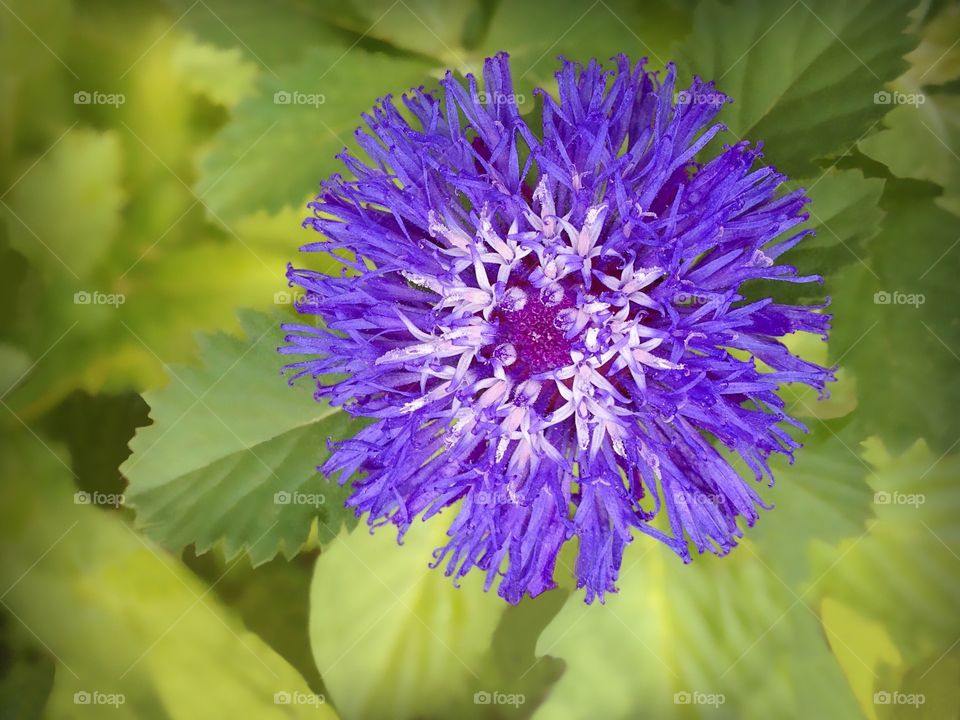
column 547, row 324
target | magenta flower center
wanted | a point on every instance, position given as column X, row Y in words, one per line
column 531, row 330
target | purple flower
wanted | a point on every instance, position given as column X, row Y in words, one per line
column 547, row 324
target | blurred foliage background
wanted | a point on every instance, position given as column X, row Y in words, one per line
column 155, row 160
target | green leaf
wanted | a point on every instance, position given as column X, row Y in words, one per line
column 895, row 326
column 65, row 210
column 121, row 616
column 922, row 142
column 804, row 402
column 281, row 142
column 176, row 272
column 14, row 365
column 169, row 294
column 34, row 80
column 96, row 429
column 845, row 215
column 512, row 666
column 822, row 497
column 926, row 690
column 223, row 76
column 723, row 635
column 936, row 60
column 922, row 135
column 273, row 600
column 846, row 629
column 421, row 26
column 26, row 672
column 232, row 453
column 14, row 270
column 414, row 644
column 902, row 569
column 844, row 209
column 536, row 34
column 269, row 35
column 887, row 688
column 802, row 74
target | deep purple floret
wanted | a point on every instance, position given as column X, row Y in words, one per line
column 546, row 324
